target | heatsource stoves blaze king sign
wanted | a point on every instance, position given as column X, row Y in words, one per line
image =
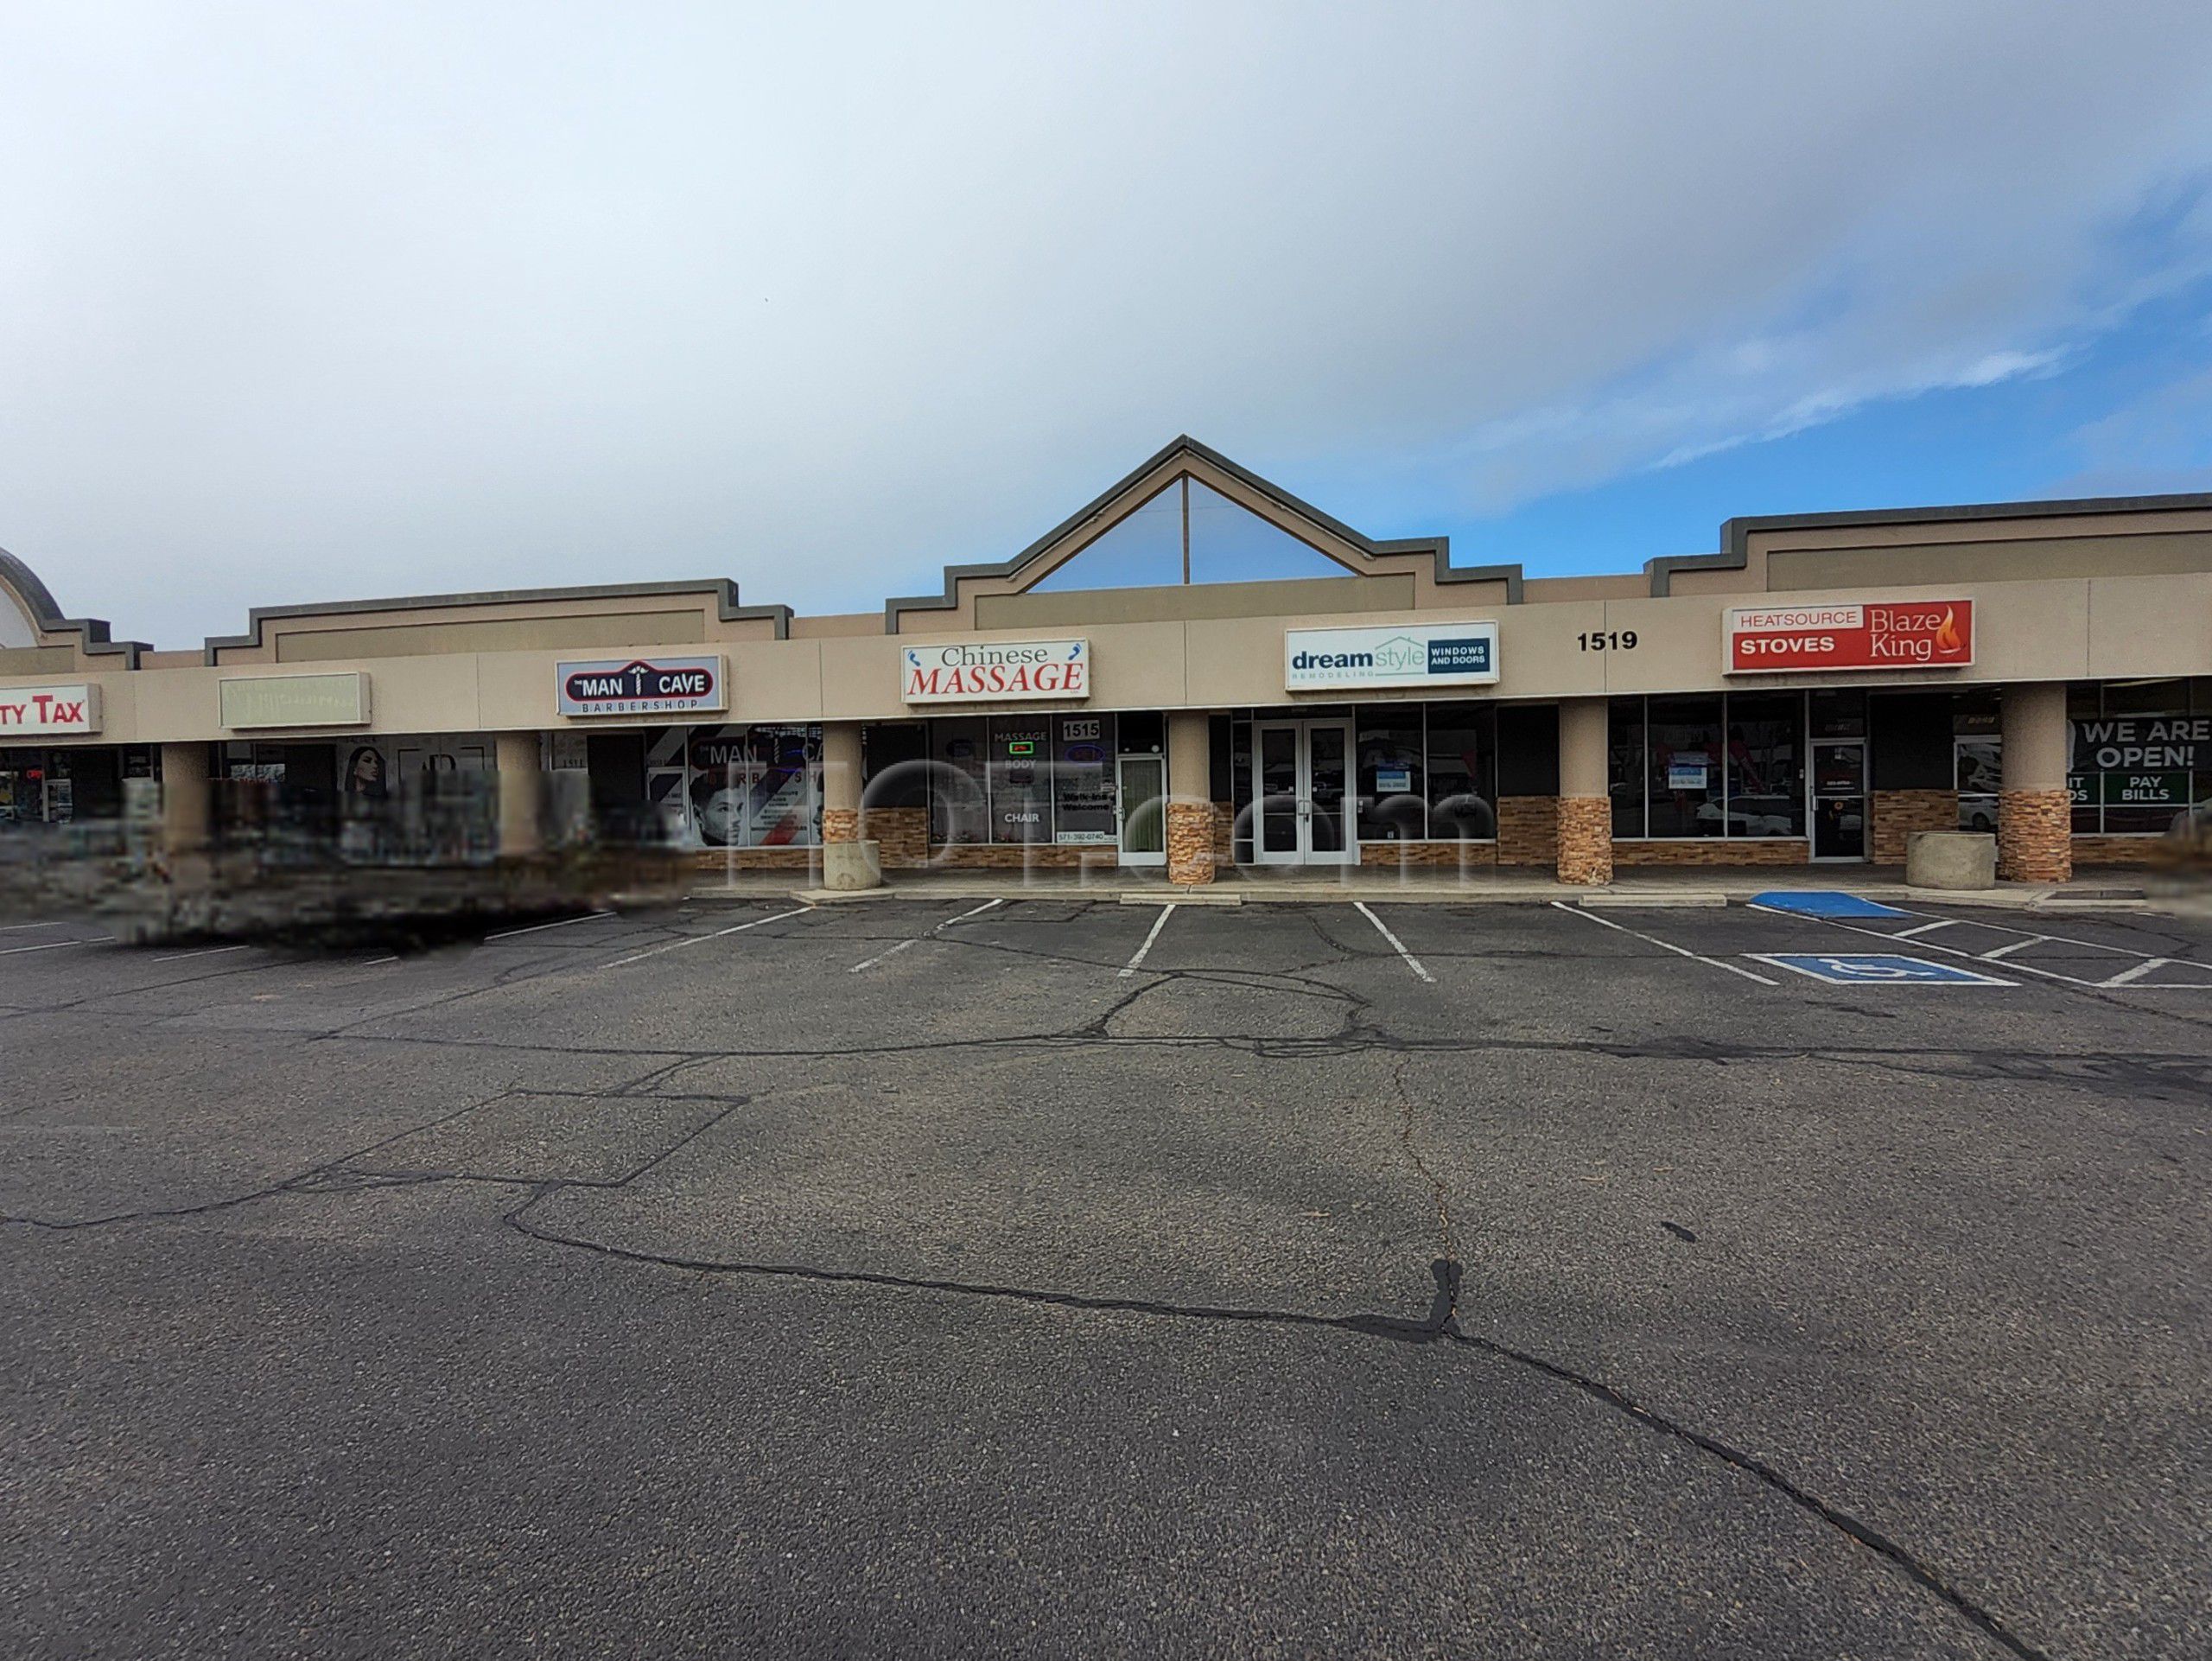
column 1872, row 634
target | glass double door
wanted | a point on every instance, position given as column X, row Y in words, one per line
column 1302, row 803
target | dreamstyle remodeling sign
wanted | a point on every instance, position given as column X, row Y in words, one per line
column 70, row 711
column 1405, row 654
column 991, row 671
column 643, row 686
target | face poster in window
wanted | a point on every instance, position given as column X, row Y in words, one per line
column 363, row 780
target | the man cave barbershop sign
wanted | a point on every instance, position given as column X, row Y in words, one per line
column 644, row 686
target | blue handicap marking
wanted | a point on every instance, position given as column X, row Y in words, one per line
column 1823, row 902
column 1876, row 968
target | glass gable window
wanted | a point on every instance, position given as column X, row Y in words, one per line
column 1723, row 765
column 1189, row 533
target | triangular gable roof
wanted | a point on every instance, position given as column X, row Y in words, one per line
column 1358, row 553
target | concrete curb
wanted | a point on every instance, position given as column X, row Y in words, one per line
column 1599, row 899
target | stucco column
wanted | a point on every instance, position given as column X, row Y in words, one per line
column 1190, row 798
column 185, row 805
column 2035, row 815
column 1586, row 807
column 847, row 863
column 841, row 782
column 522, row 795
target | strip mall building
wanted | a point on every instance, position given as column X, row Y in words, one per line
column 1818, row 688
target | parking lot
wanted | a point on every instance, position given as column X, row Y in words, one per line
column 1042, row 1275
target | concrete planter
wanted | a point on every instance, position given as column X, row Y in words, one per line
column 1950, row 859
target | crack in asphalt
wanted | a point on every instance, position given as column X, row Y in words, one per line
column 344, row 1176
column 2137, row 1074
column 1439, row 1326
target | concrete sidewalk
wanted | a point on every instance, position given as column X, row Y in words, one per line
column 2108, row 890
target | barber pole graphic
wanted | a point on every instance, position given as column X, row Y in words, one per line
column 1791, row 640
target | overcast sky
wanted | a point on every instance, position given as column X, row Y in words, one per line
column 317, row 301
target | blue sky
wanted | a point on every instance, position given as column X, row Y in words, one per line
column 333, row 302
column 2122, row 407
column 2125, row 411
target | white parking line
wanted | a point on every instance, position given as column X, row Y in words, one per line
column 1664, row 945
column 2136, row 973
column 1955, row 951
column 204, row 952
column 930, row 935
column 558, row 922
column 701, row 940
column 2014, row 945
column 54, row 946
column 10, row 928
column 1905, row 933
column 1137, row 962
column 1398, row 945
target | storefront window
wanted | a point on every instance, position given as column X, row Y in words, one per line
column 1730, row 765
column 1390, row 774
column 1624, row 767
column 1839, row 714
column 1082, row 779
column 1240, row 783
column 959, row 805
column 1766, row 765
column 1143, row 733
column 1977, row 758
column 1021, row 779
column 2142, row 755
column 1683, row 768
column 1462, row 772
column 2084, row 705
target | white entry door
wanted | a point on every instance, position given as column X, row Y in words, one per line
column 1302, row 802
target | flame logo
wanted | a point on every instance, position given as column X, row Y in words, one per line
column 1947, row 632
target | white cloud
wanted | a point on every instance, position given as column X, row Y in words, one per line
column 320, row 303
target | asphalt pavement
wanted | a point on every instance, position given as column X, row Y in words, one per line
column 1043, row 1276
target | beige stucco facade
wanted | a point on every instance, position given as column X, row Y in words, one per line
column 2061, row 594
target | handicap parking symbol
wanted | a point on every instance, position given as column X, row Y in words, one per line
column 1876, row 968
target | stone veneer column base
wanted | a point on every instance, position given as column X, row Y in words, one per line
column 1190, row 842
column 841, row 825
column 1898, row 813
column 901, row 835
column 1586, row 839
column 1528, row 829
column 2035, row 835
